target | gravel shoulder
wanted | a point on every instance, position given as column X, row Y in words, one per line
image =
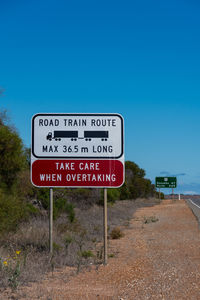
column 154, row 260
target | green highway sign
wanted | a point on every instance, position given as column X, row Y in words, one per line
column 166, row 182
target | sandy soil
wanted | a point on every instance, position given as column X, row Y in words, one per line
column 157, row 260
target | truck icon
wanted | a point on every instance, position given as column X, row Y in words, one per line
column 57, row 135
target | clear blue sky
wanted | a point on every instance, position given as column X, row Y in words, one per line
column 137, row 58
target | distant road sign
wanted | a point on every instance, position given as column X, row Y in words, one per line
column 166, row 182
column 77, row 136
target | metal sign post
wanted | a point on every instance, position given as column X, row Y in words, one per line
column 51, row 221
column 105, row 228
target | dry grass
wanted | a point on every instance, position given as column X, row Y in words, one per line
column 77, row 244
column 151, row 219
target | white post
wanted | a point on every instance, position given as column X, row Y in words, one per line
column 105, row 228
column 51, row 221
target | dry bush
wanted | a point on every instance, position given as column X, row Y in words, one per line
column 151, row 219
column 116, row 233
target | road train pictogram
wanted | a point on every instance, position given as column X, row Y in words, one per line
column 58, row 135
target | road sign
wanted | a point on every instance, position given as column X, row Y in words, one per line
column 77, row 173
column 166, row 182
column 77, row 150
column 97, row 136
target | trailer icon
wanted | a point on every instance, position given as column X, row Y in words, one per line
column 57, row 135
column 89, row 135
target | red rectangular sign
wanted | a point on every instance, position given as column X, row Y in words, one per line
column 77, row 173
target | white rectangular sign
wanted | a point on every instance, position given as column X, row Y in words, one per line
column 77, row 136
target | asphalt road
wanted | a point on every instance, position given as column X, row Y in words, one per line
column 195, row 206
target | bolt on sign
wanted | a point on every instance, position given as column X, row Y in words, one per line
column 77, row 150
column 166, row 182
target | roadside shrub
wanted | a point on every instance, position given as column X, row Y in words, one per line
column 86, row 254
column 124, row 192
column 83, row 198
column 12, row 158
column 151, row 219
column 162, row 195
column 68, row 240
column 11, row 269
column 116, row 233
column 81, row 193
column 12, row 212
column 31, row 210
column 56, row 247
column 111, row 255
column 62, row 206
column 24, row 186
column 43, row 195
column 135, row 185
column 112, row 196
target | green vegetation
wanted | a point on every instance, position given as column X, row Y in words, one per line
column 111, row 255
column 12, row 155
column 14, row 206
column 136, row 186
column 61, row 206
column 86, row 254
column 112, row 196
column 11, row 268
column 68, row 240
column 56, row 247
column 19, row 200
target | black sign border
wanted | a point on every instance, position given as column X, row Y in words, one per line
column 78, row 157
